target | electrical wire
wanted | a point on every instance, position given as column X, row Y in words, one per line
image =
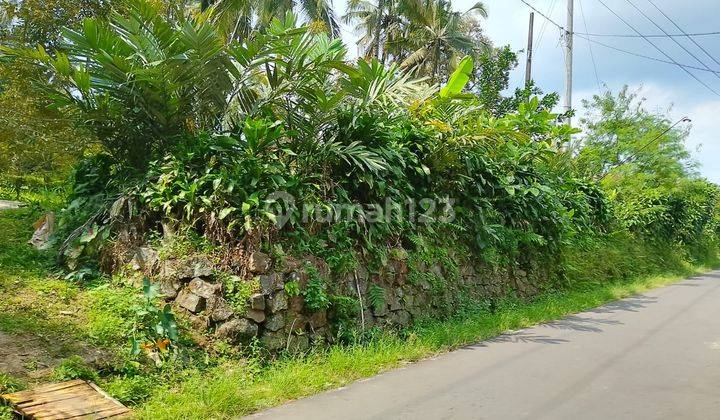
column 587, row 38
column 689, row 36
column 673, row 39
column 647, row 57
column 659, row 136
column 659, row 49
column 649, row 36
column 544, row 26
column 592, row 55
column 543, row 15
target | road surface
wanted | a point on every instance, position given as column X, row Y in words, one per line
column 653, row 356
column 9, row 205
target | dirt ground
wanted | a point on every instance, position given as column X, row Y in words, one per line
column 25, row 356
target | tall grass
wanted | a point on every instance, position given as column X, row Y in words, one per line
column 599, row 272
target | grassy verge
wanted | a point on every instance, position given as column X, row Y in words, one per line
column 61, row 319
column 237, row 389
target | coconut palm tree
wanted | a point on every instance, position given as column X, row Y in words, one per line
column 239, row 17
column 427, row 36
column 438, row 36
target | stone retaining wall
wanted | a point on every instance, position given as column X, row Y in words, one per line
column 283, row 321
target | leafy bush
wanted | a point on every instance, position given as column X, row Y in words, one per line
column 227, row 137
column 74, row 368
column 155, row 332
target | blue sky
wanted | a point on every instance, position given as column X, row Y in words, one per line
column 665, row 86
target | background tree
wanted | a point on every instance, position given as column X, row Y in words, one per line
column 428, row 37
column 622, row 139
column 37, row 141
column 238, row 18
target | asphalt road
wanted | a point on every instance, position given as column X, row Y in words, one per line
column 653, row 356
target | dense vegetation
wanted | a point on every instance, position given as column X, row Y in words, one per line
column 193, row 117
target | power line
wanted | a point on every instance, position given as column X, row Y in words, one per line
column 592, row 55
column 689, row 36
column 634, row 155
column 647, row 57
column 587, row 38
column 545, row 16
column 544, row 26
column 659, row 49
column 673, row 39
column 666, row 35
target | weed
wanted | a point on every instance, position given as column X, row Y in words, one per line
column 74, row 368
column 292, row 288
column 238, row 290
column 376, row 296
column 315, row 293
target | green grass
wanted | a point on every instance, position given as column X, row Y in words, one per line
column 36, row 301
column 40, row 306
column 237, row 389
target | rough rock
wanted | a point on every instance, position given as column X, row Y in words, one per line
column 270, row 283
column 204, row 289
column 220, row 309
column 277, row 302
column 186, row 269
column 392, row 301
column 190, row 301
column 237, row 330
column 255, row 315
column 380, row 311
column 290, row 264
column 259, row 262
column 297, row 323
column 169, row 288
column 298, row 343
column 147, row 260
column 436, row 269
column 275, row 322
column 318, row 320
column 257, row 301
column 318, row 337
column 296, row 304
column 274, row 341
column 401, row 317
column 200, row 323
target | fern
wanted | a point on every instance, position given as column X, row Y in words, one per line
column 376, row 296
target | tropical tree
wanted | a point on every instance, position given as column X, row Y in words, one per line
column 622, row 140
column 239, row 17
column 141, row 82
column 438, row 39
column 427, row 36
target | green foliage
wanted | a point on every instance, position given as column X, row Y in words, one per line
column 292, row 288
column 458, row 79
column 643, row 165
column 74, row 368
column 238, row 291
column 155, row 332
column 315, row 292
column 8, row 384
column 376, row 296
column 131, row 389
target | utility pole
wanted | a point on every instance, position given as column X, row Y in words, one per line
column 569, row 57
column 528, row 65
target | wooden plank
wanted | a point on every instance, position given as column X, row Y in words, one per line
column 106, row 395
column 18, row 397
column 70, row 411
column 107, row 413
column 54, row 397
column 68, row 400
